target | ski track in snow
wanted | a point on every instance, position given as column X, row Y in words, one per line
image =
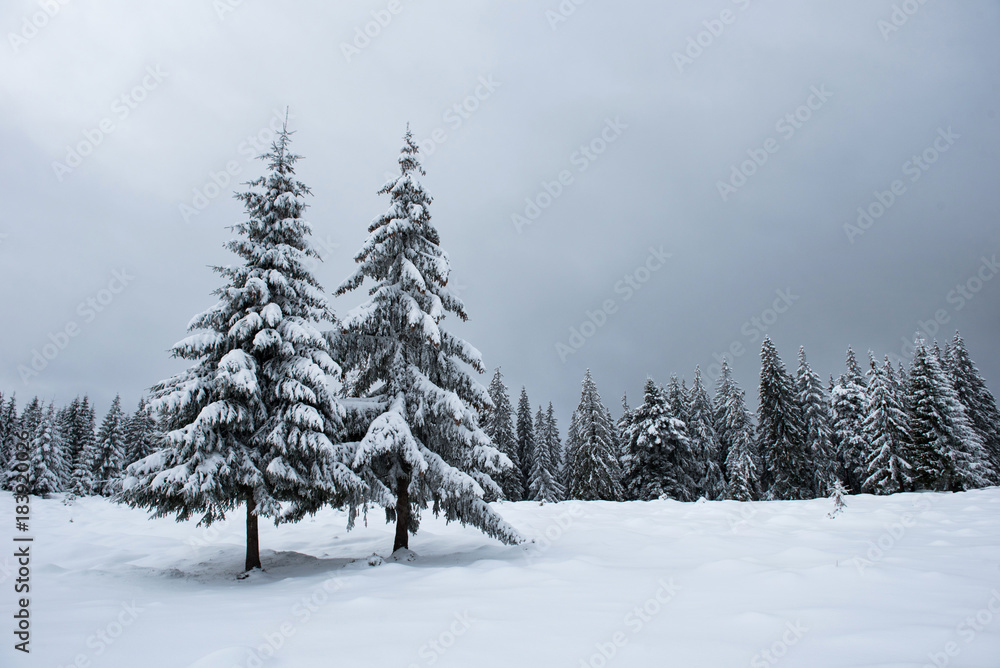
column 644, row 583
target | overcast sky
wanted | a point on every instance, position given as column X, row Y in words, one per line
column 715, row 152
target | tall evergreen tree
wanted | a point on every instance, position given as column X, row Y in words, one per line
column 525, row 442
column 655, row 441
column 64, row 430
column 9, row 435
column 427, row 448
column 788, row 471
column 847, row 409
column 743, row 466
column 591, row 461
column 83, row 448
column 704, row 441
column 885, row 429
column 109, row 464
column 726, row 390
column 554, row 445
column 677, row 397
column 691, row 468
column 947, row 453
column 83, row 434
column 816, row 421
column 854, row 371
column 45, row 465
column 499, row 426
column 980, row 405
column 621, row 427
column 140, row 429
column 544, row 485
column 253, row 422
column 31, row 416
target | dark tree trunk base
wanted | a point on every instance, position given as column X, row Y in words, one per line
column 402, row 540
column 253, row 540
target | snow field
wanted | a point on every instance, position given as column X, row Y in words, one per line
column 903, row 580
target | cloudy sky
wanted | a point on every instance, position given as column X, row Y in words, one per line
column 679, row 175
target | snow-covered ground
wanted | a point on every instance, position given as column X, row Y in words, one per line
column 907, row 580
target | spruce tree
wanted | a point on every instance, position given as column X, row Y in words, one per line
column 980, row 405
column 31, row 416
column 885, row 429
column 704, row 441
column 427, row 448
column 621, row 427
column 726, row 389
column 253, row 422
column 108, row 465
column 592, row 470
column 655, row 440
column 45, row 464
column 947, row 453
column 788, row 471
column 140, row 429
column 689, row 467
column 854, row 371
column 743, row 467
column 10, row 425
column 499, row 426
column 544, row 484
column 525, row 442
column 816, row 422
column 677, row 397
column 83, row 448
column 5, row 429
column 554, row 444
column 847, row 409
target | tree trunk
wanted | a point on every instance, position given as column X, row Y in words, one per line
column 253, row 541
column 402, row 513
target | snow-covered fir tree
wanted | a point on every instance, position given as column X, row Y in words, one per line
column 847, row 409
column 947, row 453
column 854, row 371
column 253, row 422
column 726, row 390
column 592, row 471
column 109, row 460
column 426, row 449
column 9, row 434
column 655, row 441
column 499, row 426
column 728, row 421
column 677, row 397
column 816, row 423
column 46, row 466
column 885, row 430
column 554, row 444
column 743, row 467
column 544, row 484
column 690, row 466
column 5, row 429
column 140, row 430
column 704, row 441
column 980, row 404
column 788, row 471
column 525, row 442
column 82, row 447
column 31, row 416
column 621, row 427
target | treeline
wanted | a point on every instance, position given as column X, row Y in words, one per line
column 49, row 449
column 934, row 426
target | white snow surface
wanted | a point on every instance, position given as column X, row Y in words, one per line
column 658, row 583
